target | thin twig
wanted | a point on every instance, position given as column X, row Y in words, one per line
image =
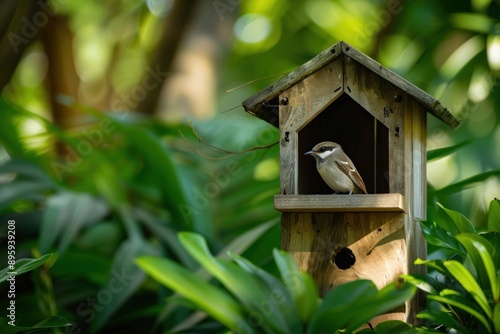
column 228, row 153
column 252, row 81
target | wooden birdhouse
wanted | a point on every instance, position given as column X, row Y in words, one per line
column 379, row 119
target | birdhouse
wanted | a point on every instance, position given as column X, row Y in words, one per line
column 379, row 120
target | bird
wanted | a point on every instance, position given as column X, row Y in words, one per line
column 336, row 169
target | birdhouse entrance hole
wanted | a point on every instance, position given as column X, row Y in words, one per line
column 344, row 259
column 362, row 137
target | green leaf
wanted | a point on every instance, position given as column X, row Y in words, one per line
column 440, row 317
column 22, row 266
column 445, row 151
column 466, row 184
column 423, row 282
column 491, row 271
column 10, row 134
column 496, row 318
column 43, row 326
column 351, row 305
column 464, row 277
column 439, row 236
column 464, row 305
column 64, row 216
column 159, row 164
column 435, row 264
column 279, row 297
column 209, row 298
column 235, row 279
column 301, row 286
column 124, row 280
column 21, row 190
column 494, row 216
column 455, row 222
column 480, row 251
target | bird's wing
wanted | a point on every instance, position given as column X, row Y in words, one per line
column 345, row 164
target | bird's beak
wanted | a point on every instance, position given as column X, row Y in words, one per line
column 309, row 153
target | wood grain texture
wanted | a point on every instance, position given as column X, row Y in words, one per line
column 432, row 105
column 305, row 101
column 377, row 241
column 260, row 104
column 340, row 203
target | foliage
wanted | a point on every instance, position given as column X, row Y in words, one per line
column 22, row 266
column 120, row 189
column 251, row 300
column 463, row 285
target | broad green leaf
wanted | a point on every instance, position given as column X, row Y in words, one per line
column 27, row 170
column 494, row 216
column 167, row 234
column 492, row 272
column 351, row 305
column 445, row 151
column 279, row 296
column 43, row 326
column 442, row 318
column 422, row 282
column 464, row 306
column 65, row 214
column 70, row 264
column 158, row 163
column 496, row 318
column 439, row 236
column 480, row 251
column 464, row 277
column 22, row 266
column 455, row 222
column 235, row 279
column 11, row 132
column 466, row 184
column 301, row 286
column 215, row 301
column 435, row 264
column 21, row 190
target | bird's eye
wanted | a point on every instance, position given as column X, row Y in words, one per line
column 323, row 149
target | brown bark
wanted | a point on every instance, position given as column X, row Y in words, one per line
column 63, row 79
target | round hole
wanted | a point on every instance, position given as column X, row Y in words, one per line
column 344, row 259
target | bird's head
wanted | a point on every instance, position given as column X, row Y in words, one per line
column 323, row 150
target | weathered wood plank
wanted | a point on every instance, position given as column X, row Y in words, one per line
column 429, row 102
column 304, row 101
column 263, row 104
column 376, row 242
column 340, row 203
column 256, row 104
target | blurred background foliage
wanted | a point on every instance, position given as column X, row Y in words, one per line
column 100, row 163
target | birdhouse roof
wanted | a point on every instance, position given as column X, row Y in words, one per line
column 264, row 104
